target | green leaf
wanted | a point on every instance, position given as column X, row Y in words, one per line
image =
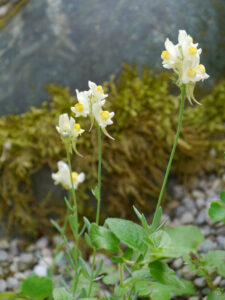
column 213, row 259
column 221, row 269
column 103, row 238
column 159, row 292
column 8, row 296
column 88, row 240
column 61, row 294
column 218, row 294
column 73, row 225
column 37, row 288
column 111, row 278
column 85, row 268
column 185, row 238
column 217, row 211
column 163, row 274
column 95, row 192
column 156, row 219
column 160, row 239
column 68, row 204
column 128, row 233
column 56, row 226
column 222, row 196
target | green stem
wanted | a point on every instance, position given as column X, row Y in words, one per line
column 121, row 279
column 98, row 201
column 99, row 172
column 75, row 214
column 183, row 89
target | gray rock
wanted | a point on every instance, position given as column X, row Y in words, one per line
column 222, row 283
column 217, row 280
column 201, row 218
column 205, row 230
column 200, row 282
column 200, row 203
column 25, row 261
column 198, row 194
column 12, row 283
column 177, row 263
column 47, row 40
column 14, row 247
column 207, row 245
column 221, row 242
column 14, row 267
column 179, row 191
column 194, row 298
column 206, row 291
column 42, row 243
column 4, row 244
column 3, row 256
column 189, row 203
column 187, row 273
column 187, row 218
column 3, row 285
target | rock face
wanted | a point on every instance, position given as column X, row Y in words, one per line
column 70, row 42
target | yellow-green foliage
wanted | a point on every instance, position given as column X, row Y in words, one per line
column 144, row 126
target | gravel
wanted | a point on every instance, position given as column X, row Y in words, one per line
column 187, row 207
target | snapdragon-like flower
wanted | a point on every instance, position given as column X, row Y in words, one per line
column 63, row 176
column 184, row 59
column 69, row 130
column 90, row 103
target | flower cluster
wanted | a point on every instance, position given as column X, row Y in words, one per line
column 184, row 59
column 90, row 103
column 63, row 176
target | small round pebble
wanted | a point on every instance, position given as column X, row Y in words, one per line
column 3, row 285
column 40, row 270
column 12, row 283
column 200, row 282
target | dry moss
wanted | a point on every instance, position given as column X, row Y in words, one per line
column 133, row 165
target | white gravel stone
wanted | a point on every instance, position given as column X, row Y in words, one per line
column 194, row 298
column 12, row 283
column 200, row 282
column 187, row 273
column 187, row 218
column 201, row 217
column 3, row 285
column 3, row 255
column 40, row 270
column 200, row 203
column 217, row 280
column 207, row 245
column 198, row 194
column 177, row 264
column 4, row 244
column 20, row 276
column 42, row 243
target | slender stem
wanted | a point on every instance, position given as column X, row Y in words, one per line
column 99, row 172
column 98, row 201
column 92, row 273
column 183, row 89
column 75, row 216
column 121, row 279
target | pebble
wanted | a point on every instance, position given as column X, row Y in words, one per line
column 201, row 218
column 194, row 298
column 4, row 244
column 42, row 243
column 187, row 273
column 40, row 270
column 221, row 242
column 200, row 203
column 207, row 245
column 200, row 282
column 12, row 283
column 187, row 218
column 217, row 280
column 3, row 285
column 3, row 255
column 177, row 264
column 198, row 194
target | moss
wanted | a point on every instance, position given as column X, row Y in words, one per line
column 133, row 165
